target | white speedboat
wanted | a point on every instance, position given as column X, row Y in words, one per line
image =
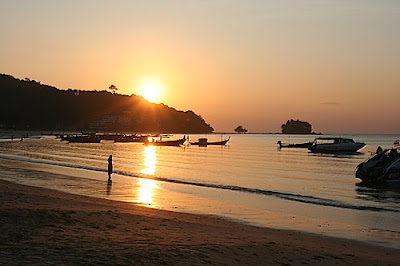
column 333, row 145
column 382, row 167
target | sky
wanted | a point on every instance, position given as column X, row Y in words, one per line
column 335, row 64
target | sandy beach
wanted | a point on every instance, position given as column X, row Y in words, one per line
column 42, row 226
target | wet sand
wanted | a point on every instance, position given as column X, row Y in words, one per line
column 42, row 226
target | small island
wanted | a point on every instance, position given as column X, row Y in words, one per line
column 297, row 127
column 241, row 130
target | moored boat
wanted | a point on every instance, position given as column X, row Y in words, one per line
column 97, row 137
column 382, row 167
column 177, row 142
column 205, row 142
column 90, row 138
column 131, row 138
column 294, row 145
column 335, row 145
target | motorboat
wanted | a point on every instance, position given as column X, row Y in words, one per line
column 382, row 167
column 335, row 145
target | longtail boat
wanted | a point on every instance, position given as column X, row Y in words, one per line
column 205, row 142
column 177, row 142
column 294, row 145
column 133, row 138
column 81, row 138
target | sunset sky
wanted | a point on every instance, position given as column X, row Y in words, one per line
column 254, row 63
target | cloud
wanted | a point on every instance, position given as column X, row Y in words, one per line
column 331, row 103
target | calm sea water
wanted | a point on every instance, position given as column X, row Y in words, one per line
column 250, row 180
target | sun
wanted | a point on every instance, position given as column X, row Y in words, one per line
column 150, row 90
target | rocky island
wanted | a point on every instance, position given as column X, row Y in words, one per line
column 297, row 127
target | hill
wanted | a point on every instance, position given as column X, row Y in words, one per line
column 28, row 104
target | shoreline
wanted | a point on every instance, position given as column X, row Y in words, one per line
column 47, row 226
column 174, row 197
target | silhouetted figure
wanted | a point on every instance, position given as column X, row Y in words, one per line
column 379, row 149
column 110, row 167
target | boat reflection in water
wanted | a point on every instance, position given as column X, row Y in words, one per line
column 147, row 186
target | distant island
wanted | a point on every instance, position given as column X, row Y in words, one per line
column 241, row 130
column 296, row 127
column 28, row 104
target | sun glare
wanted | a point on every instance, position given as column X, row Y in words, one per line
column 150, row 90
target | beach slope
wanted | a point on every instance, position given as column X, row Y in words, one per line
column 42, row 226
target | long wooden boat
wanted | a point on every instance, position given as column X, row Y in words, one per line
column 133, row 138
column 205, row 142
column 81, row 139
column 166, row 143
column 96, row 138
column 294, row 145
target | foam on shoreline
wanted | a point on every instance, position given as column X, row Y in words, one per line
column 178, row 197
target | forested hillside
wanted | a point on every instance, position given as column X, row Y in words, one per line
column 28, row 104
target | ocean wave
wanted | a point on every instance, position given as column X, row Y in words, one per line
column 279, row 194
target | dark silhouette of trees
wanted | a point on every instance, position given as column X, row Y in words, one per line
column 28, row 104
column 296, row 127
column 240, row 129
column 113, row 88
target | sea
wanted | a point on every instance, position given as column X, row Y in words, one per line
column 250, row 181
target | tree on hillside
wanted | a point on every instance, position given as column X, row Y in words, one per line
column 240, row 129
column 113, row 88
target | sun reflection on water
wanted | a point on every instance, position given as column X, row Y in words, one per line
column 146, row 191
column 147, row 186
column 150, row 160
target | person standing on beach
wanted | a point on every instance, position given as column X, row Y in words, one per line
column 110, row 167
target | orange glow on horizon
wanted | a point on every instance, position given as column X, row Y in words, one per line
column 150, row 90
column 223, row 70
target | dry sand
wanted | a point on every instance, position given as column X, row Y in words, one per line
column 42, row 226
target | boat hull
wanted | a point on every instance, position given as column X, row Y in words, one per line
column 382, row 167
column 131, row 139
column 81, row 139
column 178, row 142
column 298, row 145
column 221, row 143
column 336, row 148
